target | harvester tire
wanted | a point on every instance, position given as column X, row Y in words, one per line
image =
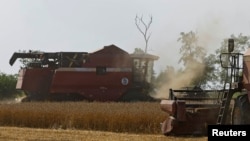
column 240, row 114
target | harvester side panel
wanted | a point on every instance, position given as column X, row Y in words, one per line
column 35, row 80
column 109, row 85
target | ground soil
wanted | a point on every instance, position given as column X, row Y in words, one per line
column 32, row 134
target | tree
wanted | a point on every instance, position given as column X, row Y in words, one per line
column 8, row 86
column 193, row 58
column 143, row 28
column 190, row 50
column 209, row 78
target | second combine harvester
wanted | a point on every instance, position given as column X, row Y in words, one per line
column 109, row 74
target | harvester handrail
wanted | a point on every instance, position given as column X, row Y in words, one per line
column 197, row 90
column 183, row 92
column 197, row 98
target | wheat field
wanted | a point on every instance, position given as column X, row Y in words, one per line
column 73, row 121
column 139, row 117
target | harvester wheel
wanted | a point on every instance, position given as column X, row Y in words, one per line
column 241, row 113
column 26, row 99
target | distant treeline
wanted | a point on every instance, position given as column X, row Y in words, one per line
column 8, row 86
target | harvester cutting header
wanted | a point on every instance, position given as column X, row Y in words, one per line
column 109, row 74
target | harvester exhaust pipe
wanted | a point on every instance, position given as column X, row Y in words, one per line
column 230, row 45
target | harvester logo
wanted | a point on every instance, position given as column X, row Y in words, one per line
column 124, row 81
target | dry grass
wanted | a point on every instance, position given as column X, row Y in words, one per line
column 29, row 134
column 141, row 117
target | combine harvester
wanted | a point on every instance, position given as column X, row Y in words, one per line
column 191, row 110
column 109, row 74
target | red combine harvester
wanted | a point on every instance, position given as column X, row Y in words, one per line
column 191, row 110
column 109, row 74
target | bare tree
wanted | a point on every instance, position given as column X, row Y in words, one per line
column 143, row 27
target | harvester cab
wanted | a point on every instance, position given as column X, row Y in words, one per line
column 143, row 67
column 229, row 105
column 232, row 64
column 142, row 71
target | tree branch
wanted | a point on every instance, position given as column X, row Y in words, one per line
column 146, row 28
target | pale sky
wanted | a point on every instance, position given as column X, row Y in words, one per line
column 89, row 25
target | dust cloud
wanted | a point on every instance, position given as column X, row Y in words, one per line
column 178, row 80
column 210, row 34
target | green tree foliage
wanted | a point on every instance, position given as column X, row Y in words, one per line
column 196, row 60
column 190, row 50
column 209, row 77
column 8, row 86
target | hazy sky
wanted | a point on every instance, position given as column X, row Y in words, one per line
column 89, row 25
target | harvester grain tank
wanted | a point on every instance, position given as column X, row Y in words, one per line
column 190, row 115
column 108, row 74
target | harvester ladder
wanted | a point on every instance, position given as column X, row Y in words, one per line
column 234, row 69
column 221, row 116
column 224, row 106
